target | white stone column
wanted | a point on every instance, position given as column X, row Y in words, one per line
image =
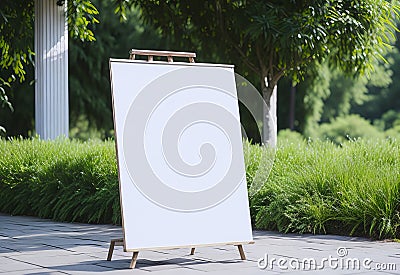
column 51, row 69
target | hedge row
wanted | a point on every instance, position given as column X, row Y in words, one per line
column 320, row 187
column 314, row 186
column 63, row 180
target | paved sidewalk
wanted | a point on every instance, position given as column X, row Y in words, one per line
column 37, row 246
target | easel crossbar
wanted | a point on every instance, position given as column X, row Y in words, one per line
column 169, row 54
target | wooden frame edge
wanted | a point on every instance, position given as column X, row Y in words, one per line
column 117, row 157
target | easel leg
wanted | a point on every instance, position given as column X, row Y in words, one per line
column 134, row 259
column 241, row 252
column 110, row 250
column 192, row 251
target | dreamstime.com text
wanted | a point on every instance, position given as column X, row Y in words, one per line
column 341, row 261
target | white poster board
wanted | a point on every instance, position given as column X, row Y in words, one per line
column 180, row 156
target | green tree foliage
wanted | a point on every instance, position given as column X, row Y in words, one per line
column 16, row 37
column 383, row 99
column 16, row 44
column 89, row 77
column 89, row 84
column 81, row 15
column 267, row 40
column 276, row 38
column 327, row 93
column 21, row 120
column 314, row 91
column 262, row 38
column 16, row 25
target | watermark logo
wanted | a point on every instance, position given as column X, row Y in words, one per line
column 342, row 251
column 340, row 261
column 191, row 146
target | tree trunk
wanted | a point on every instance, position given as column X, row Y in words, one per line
column 292, row 107
column 270, row 129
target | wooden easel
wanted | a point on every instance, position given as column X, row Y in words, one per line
column 150, row 58
column 120, row 242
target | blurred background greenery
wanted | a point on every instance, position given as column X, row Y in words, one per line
column 327, row 104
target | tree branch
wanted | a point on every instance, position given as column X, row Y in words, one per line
column 235, row 46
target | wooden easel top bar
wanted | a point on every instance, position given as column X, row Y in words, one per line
column 168, row 54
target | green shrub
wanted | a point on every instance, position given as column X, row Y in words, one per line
column 348, row 127
column 320, row 187
column 288, row 136
column 389, row 120
column 309, row 186
column 63, row 180
column 393, row 132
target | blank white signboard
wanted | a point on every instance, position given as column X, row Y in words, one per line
column 180, row 156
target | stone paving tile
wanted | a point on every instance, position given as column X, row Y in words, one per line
column 41, row 271
column 7, row 265
column 93, row 250
column 121, row 263
column 81, row 267
column 49, row 260
column 218, row 266
column 42, row 252
column 180, row 271
column 136, row 272
column 30, row 245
